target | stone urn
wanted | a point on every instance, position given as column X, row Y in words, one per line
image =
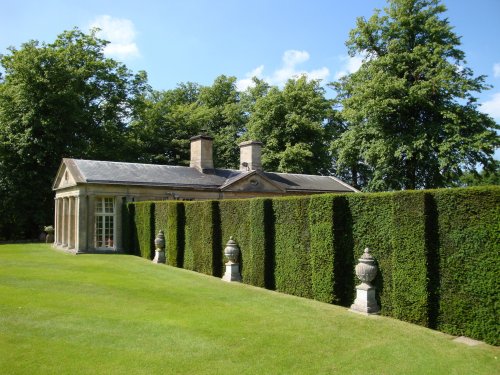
column 366, row 269
column 160, row 240
column 160, row 248
column 50, row 234
column 232, row 250
column 232, row 253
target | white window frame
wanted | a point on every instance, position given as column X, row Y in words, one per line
column 103, row 214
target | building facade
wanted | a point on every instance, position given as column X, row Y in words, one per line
column 89, row 194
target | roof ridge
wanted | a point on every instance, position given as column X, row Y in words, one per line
column 298, row 174
column 129, row 163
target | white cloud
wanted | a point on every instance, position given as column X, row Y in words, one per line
column 120, row 32
column 496, row 70
column 321, row 74
column 291, row 59
column 350, row 65
column 288, row 69
column 243, row 84
column 492, row 106
column 294, row 57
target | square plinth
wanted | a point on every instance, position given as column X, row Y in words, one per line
column 365, row 300
column 232, row 272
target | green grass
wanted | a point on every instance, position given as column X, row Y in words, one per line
column 119, row 314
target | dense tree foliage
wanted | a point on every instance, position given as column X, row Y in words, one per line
column 169, row 118
column 412, row 119
column 57, row 100
column 294, row 125
column 224, row 119
column 164, row 124
column 490, row 176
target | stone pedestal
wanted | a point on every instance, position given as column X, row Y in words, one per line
column 365, row 301
column 49, row 238
column 232, row 272
column 159, row 257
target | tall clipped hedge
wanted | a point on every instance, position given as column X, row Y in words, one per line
column 262, row 235
column 372, row 227
column 469, row 252
column 236, row 222
column 203, row 239
column 344, row 262
column 129, row 239
column 169, row 217
column 175, row 234
column 437, row 250
column 246, row 221
column 410, row 290
column 292, row 246
column 144, row 228
column 321, row 228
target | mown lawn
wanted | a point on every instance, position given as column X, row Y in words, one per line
column 119, row 314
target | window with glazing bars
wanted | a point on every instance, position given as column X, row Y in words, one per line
column 104, row 222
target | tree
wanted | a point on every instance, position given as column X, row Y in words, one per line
column 63, row 99
column 294, row 125
column 412, row 120
column 482, row 178
column 162, row 128
column 223, row 118
column 249, row 97
column 169, row 118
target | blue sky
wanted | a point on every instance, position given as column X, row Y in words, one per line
column 197, row 40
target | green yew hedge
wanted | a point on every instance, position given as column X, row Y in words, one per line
column 468, row 229
column 292, row 271
column 235, row 222
column 170, row 218
column 144, row 230
column 410, row 291
column 322, row 248
column 203, row 251
column 437, row 250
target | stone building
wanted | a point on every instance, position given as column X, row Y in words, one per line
column 89, row 195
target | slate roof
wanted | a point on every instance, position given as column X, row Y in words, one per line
column 118, row 173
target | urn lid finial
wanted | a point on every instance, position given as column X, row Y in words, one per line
column 366, row 255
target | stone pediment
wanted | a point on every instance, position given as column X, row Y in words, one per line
column 253, row 181
column 67, row 175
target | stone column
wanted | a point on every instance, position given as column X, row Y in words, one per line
column 56, row 224
column 64, row 226
column 81, row 224
column 91, row 223
column 60, row 220
column 118, row 232
column 75, row 224
column 71, row 222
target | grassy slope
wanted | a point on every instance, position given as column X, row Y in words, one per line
column 118, row 314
